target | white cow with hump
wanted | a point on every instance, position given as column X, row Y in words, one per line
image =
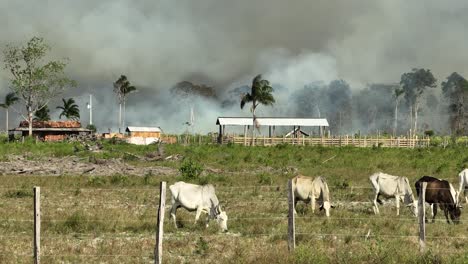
column 393, row 186
column 463, row 178
column 308, row 190
column 199, row 198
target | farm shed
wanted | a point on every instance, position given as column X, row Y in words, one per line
column 271, row 123
column 143, row 135
column 50, row 130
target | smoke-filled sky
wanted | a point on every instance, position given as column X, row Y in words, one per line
column 224, row 44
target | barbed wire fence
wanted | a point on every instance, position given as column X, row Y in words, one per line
column 278, row 199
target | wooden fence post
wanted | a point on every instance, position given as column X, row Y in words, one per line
column 422, row 217
column 160, row 231
column 37, row 225
column 291, row 219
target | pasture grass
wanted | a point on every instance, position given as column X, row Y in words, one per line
column 111, row 219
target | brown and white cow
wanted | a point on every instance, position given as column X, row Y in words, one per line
column 308, row 190
column 440, row 192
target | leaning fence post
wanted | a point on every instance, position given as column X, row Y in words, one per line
column 422, row 217
column 160, row 230
column 37, row 225
column 291, row 218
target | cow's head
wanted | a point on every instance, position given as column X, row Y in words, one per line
column 221, row 218
column 455, row 212
column 414, row 208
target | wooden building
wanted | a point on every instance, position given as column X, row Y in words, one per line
column 143, row 135
column 50, row 130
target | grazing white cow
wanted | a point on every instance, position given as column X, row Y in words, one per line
column 463, row 177
column 393, row 186
column 308, row 190
column 199, row 198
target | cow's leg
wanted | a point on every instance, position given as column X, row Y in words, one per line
column 434, row 209
column 376, row 208
column 197, row 215
column 446, row 213
column 295, row 205
column 173, row 213
column 397, row 200
column 312, row 200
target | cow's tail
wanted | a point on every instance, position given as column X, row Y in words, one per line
column 417, row 185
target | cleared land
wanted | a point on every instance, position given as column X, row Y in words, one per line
column 109, row 216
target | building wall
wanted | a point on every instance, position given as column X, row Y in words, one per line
column 145, row 134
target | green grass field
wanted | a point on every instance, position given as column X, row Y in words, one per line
column 112, row 219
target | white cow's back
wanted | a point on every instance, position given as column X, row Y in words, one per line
column 191, row 196
column 388, row 185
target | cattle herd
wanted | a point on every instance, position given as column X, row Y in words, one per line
column 438, row 193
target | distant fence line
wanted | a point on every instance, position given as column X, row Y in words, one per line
column 338, row 141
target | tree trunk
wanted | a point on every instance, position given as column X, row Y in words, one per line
column 6, row 121
column 253, row 124
column 120, row 116
column 30, row 121
column 123, row 118
column 395, row 124
column 416, row 107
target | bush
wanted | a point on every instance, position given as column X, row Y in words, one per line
column 92, row 128
column 96, row 181
column 265, row 179
column 190, row 170
column 19, row 194
column 119, row 179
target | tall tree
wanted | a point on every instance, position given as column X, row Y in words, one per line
column 42, row 114
column 69, row 109
column 397, row 92
column 35, row 82
column 260, row 93
column 10, row 99
column 339, row 96
column 455, row 89
column 414, row 84
column 122, row 88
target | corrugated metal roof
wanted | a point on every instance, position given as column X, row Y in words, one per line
column 55, row 129
column 143, row 129
column 272, row 121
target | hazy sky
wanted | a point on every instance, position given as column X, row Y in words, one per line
column 225, row 43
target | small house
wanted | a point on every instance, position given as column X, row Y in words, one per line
column 143, row 135
column 50, row 130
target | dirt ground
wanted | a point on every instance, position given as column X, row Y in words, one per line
column 77, row 166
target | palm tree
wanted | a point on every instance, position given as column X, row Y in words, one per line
column 69, row 109
column 10, row 99
column 260, row 94
column 42, row 114
column 397, row 93
column 122, row 88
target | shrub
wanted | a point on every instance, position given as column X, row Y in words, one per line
column 201, row 247
column 96, row 181
column 92, row 128
column 265, row 179
column 118, row 179
column 190, row 170
column 18, row 194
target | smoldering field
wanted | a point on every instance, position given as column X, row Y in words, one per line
column 223, row 45
column 111, row 218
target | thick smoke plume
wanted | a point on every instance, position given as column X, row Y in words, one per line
column 224, row 44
